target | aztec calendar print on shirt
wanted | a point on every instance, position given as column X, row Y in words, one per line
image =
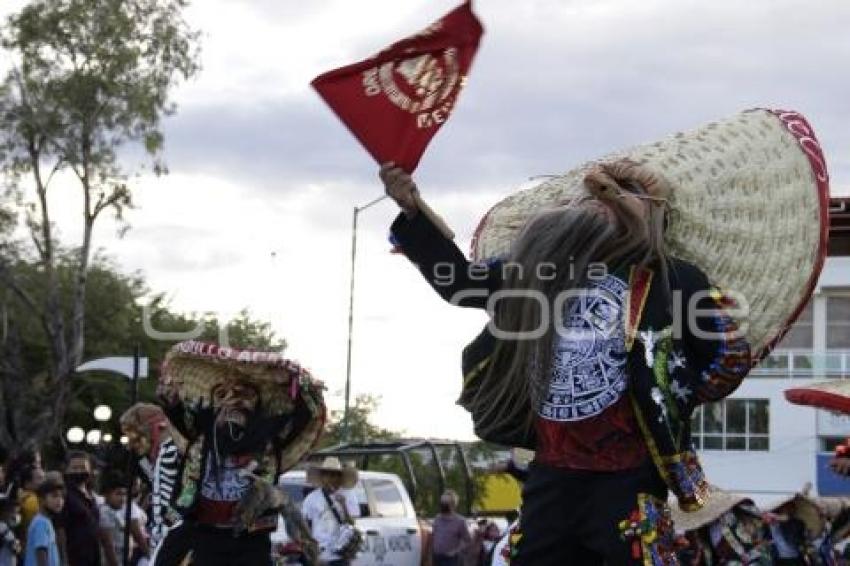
column 589, row 365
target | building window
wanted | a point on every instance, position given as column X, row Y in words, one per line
column 838, row 321
column 829, row 443
column 732, row 424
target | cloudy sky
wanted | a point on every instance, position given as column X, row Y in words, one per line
column 257, row 209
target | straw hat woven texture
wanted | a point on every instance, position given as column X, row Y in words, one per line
column 718, row 503
column 194, row 368
column 748, row 206
column 197, row 367
column 332, row 464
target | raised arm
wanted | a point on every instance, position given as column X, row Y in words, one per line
column 438, row 259
column 188, row 421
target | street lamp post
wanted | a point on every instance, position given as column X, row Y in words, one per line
column 345, row 414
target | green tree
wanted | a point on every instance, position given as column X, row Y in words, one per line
column 116, row 305
column 89, row 79
column 426, row 496
column 360, row 426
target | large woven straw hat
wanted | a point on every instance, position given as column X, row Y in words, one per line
column 717, row 503
column 833, row 395
column 194, row 368
column 749, row 206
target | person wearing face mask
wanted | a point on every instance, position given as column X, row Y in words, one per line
column 10, row 518
column 487, row 535
column 80, row 516
column 450, row 536
column 247, row 416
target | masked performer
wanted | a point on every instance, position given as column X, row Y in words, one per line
column 248, row 417
column 158, row 447
column 603, row 338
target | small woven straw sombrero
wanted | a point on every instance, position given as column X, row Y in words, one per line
column 194, row 368
column 332, row 464
column 749, row 206
column 832, row 395
column 718, row 503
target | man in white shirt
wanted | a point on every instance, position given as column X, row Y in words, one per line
column 330, row 510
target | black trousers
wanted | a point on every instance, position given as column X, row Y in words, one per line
column 213, row 547
column 571, row 517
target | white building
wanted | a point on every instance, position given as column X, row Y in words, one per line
column 757, row 443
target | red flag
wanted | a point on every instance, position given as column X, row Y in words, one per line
column 396, row 101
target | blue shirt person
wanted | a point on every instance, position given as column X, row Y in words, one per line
column 42, row 548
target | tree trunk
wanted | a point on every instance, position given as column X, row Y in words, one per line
column 76, row 340
column 52, row 412
column 78, row 309
column 10, row 372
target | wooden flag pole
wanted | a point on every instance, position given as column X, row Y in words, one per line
column 433, row 216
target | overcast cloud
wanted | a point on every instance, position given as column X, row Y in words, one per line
column 257, row 210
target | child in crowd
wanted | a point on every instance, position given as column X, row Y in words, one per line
column 112, row 516
column 10, row 518
column 42, row 548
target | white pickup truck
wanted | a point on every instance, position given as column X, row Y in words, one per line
column 393, row 534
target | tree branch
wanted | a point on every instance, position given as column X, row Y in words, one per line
column 78, row 304
column 53, row 171
column 103, row 204
column 75, row 170
column 35, row 241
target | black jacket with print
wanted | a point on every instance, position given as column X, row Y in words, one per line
column 678, row 360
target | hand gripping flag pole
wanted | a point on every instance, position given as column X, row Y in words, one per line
column 395, row 102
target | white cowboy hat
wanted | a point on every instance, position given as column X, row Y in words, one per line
column 748, row 205
column 332, row 464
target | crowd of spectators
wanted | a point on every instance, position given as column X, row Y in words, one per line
column 73, row 516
